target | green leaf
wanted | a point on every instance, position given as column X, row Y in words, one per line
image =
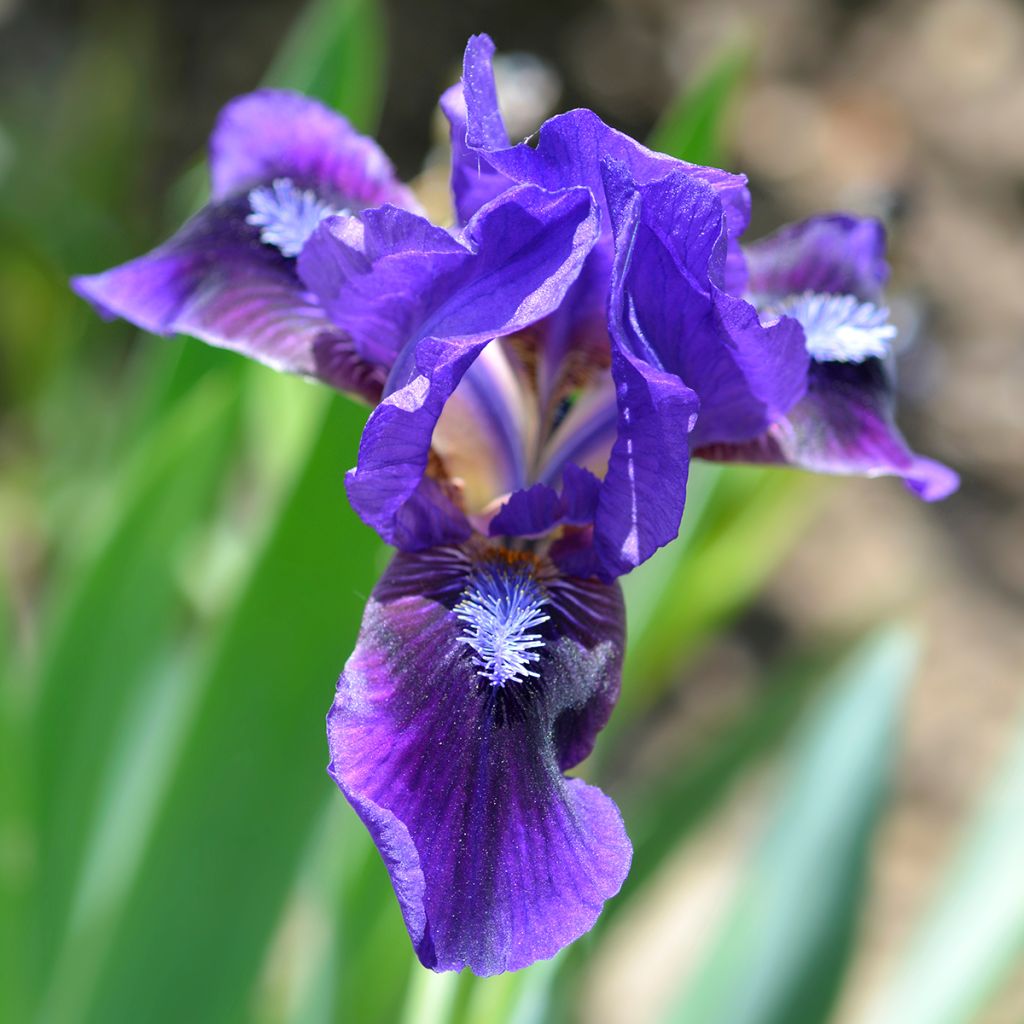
column 115, row 622
column 242, row 802
column 336, row 52
column 747, row 519
column 789, row 933
column 694, row 127
column 973, row 937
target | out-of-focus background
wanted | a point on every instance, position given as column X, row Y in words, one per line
column 819, row 748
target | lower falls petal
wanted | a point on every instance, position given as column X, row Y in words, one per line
column 216, row 281
column 845, row 426
column 497, row 859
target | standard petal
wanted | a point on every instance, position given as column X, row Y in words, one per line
column 273, row 133
column 844, row 426
column 473, row 181
column 834, row 254
column 525, row 251
column 496, row 858
column 568, row 151
column 672, row 312
column 644, row 490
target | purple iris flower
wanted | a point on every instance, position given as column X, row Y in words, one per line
column 280, row 163
column 530, row 447
column 828, row 273
column 541, row 373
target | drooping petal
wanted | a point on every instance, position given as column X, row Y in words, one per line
column 522, row 253
column 674, row 313
column 279, row 163
column 215, row 280
column 273, row 133
column 497, row 859
column 845, row 426
column 835, row 254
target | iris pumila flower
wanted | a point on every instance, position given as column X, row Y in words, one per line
column 530, row 448
column 279, row 164
column 828, row 273
column 542, row 371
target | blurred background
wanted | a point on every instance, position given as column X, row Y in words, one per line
column 819, row 752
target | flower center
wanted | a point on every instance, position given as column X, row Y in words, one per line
column 501, row 607
column 839, row 328
column 286, row 215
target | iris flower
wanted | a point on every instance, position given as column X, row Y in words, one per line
column 828, row 272
column 279, row 164
column 541, row 372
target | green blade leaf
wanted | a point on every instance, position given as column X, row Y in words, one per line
column 116, row 622
column 694, row 127
column 974, row 936
column 336, row 52
column 747, row 519
column 790, row 931
column 243, row 800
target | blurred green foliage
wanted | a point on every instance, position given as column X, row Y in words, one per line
column 183, row 581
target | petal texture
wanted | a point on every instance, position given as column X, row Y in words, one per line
column 438, row 307
column 845, row 426
column 273, row 156
column 273, row 133
column 496, row 858
column 215, row 280
column 671, row 309
column 835, row 254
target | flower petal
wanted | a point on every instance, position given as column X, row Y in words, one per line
column 273, row 133
column 644, row 490
column 215, row 281
column 835, row 254
column 568, row 151
column 536, row 510
column 496, row 858
column 524, row 251
column 670, row 242
column 845, row 426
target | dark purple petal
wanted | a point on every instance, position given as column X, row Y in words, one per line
column 215, row 280
column 670, row 245
column 835, row 254
column 536, row 510
column 497, row 859
column 272, row 134
column 524, row 251
column 643, row 492
column 845, row 426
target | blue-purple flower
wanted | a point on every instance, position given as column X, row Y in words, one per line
column 279, row 164
column 531, row 446
column 541, row 372
column 828, row 273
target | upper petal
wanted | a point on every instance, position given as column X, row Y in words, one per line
column 273, row 133
column 523, row 253
column 834, row 254
column 568, row 151
column 496, row 858
column 673, row 312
